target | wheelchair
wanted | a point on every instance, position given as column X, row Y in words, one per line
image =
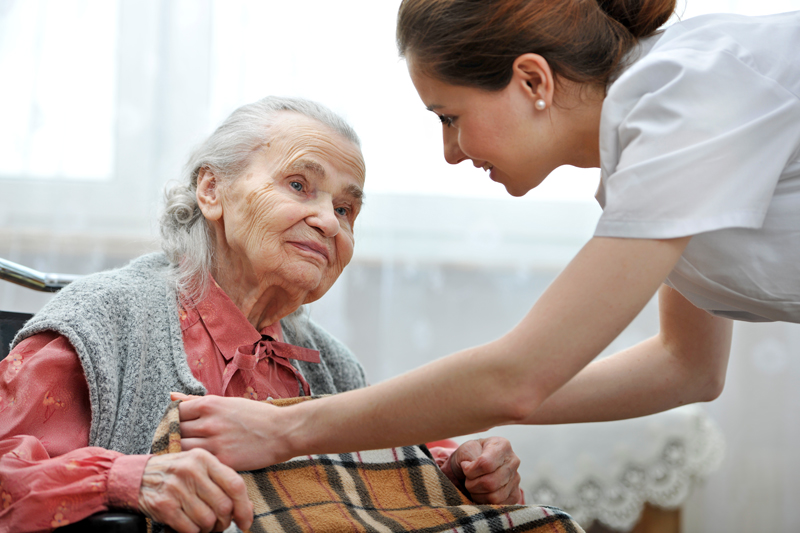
column 10, row 323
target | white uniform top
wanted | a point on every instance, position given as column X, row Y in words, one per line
column 701, row 136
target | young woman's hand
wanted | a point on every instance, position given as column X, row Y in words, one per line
column 241, row 433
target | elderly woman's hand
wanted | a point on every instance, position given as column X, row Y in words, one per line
column 241, row 433
column 193, row 491
column 487, row 469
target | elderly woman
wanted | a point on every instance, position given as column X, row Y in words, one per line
column 262, row 224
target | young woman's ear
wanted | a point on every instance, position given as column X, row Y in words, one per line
column 534, row 75
column 208, row 195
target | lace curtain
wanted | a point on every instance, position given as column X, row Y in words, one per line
column 108, row 97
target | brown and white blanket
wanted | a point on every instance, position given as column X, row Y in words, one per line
column 390, row 490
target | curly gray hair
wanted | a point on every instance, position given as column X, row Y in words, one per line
column 185, row 236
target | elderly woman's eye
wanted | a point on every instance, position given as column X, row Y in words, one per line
column 342, row 211
column 296, row 185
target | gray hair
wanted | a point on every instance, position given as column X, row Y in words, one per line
column 185, row 235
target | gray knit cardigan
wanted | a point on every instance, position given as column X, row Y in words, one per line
column 124, row 326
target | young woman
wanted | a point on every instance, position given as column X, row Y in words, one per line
column 696, row 130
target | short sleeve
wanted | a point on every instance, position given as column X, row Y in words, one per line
column 692, row 142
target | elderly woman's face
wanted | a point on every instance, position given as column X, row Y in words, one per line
column 287, row 223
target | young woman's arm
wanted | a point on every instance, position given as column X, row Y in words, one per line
column 685, row 363
column 502, row 382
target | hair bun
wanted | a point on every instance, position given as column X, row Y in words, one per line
column 641, row 17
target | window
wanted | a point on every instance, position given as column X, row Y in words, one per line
column 58, row 58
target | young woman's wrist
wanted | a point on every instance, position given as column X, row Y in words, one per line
column 297, row 437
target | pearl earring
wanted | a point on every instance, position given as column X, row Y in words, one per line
column 540, row 104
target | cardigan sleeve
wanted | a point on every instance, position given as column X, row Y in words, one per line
column 48, row 475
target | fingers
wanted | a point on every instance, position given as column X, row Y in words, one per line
column 188, row 445
column 491, row 476
column 210, row 499
column 164, row 495
column 236, row 490
column 183, row 397
column 492, row 489
column 192, row 492
column 224, row 492
column 495, row 452
column 204, row 516
column 469, row 451
column 194, row 429
column 464, row 456
column 191, row 410
column 195, row 418
column 200, row 414
column 243, row 434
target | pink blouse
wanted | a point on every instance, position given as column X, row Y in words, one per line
column 49, row 477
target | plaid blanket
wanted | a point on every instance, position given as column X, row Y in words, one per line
column 391, row 490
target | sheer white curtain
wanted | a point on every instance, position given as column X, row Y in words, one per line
column 115, row 93
column 101, row 100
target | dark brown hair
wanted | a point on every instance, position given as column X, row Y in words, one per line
column 475, row 42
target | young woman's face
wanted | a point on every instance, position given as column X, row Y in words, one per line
column 499, row 131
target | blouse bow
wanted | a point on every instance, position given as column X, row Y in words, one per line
column 283, row 376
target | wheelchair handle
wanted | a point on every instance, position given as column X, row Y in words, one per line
column 33, row 279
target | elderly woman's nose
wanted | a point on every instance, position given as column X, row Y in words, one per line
column 324, row 219
column 452, row 151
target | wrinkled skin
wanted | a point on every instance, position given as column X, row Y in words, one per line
column 486, row 469
column 284, row 229
column 283, row 233
column 309, row 185
column 193, row 491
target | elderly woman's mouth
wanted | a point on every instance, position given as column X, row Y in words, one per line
column 312, row 248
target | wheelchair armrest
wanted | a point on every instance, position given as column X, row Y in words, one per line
column 108, row 522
